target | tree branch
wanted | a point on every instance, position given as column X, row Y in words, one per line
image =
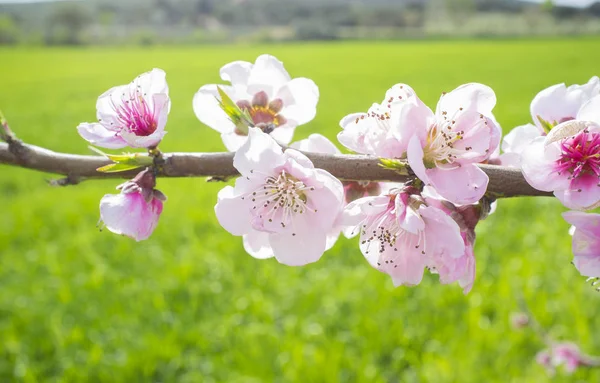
column 504, row 182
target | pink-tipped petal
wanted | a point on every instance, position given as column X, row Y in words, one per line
column 129, row 214
column 97, row 134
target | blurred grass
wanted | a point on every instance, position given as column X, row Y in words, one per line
column 189, row 305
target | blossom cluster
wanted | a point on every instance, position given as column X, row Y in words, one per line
column 283, row 207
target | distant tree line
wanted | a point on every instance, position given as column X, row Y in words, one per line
column 198, row 21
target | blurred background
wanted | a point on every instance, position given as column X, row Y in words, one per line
column 189, row 305
column 147, row 22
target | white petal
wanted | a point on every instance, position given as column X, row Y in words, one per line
column 468, row 96
column 259, row 153
column 518, row 138
column 283, row 134
column 233, row 212
column 316, row 143
column 233, row 141
column 300, row 97
column 236, row 72
column 267, row 74
column 105, row 107
column 256, row 243
column 152, row 82
column 207, row 109
column 590, row 111
column 414, row 156
column 97, row 134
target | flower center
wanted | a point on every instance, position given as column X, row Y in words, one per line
column 440, row 145
column 384, row 231
column 280, row 198
column 136, row 114
column 580, row 155
column 264, row 113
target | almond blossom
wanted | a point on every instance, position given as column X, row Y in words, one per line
column 275, row 102
column 567, row 161
column 401, row 235
column 377, row 132
column 131, row 115
column 281, row 204
column 550, row 107
column 586, row 242
column 444, row 147
column 317, row 143
column 135, row 211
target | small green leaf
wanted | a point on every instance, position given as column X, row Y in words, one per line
column 240, row 118
column 399, row 166
column 124, row 162
column 118, row 167
column 546, row 125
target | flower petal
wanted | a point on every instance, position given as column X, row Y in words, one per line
column 462, row 185
column 473, row 96
column 300, row 97
column 590, row 111
column 237, row 72
column 537, row 165
column 316, row 143
column 256, row 243
column 582, row 194
column 207, row 109
column 97, row 134
column 129, row 214
column 259, row 153
column 267, row 74
column 233, row 213
column 301, row 245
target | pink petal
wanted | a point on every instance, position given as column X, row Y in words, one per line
column 582, row 194
column 537, row 164
column 442, row 233
column 517, row 139
column 462, row 185
column 301, row 245
column 153, row 82
column 129, row 214
column 97, row 134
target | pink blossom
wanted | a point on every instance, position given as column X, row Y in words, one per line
column 559, row 103
column 377, row 132
column 135, row 211
column 131, row 115
column 281, row 204
column 276, row 102
column 565, row 354
column 567, row 161
column 445, row 147
column 317, row 143
column 586, row 242
column 551, row 106
column 400, row 234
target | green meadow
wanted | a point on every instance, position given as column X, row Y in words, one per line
column 189, row 305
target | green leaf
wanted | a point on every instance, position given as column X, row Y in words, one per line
column 240, row 118
column 546, row 124
column 118, row 167
column 124, row 162
column 399, row 166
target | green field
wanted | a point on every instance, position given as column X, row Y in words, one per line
column 188, row 305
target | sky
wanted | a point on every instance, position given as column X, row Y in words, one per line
column 576, row 3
